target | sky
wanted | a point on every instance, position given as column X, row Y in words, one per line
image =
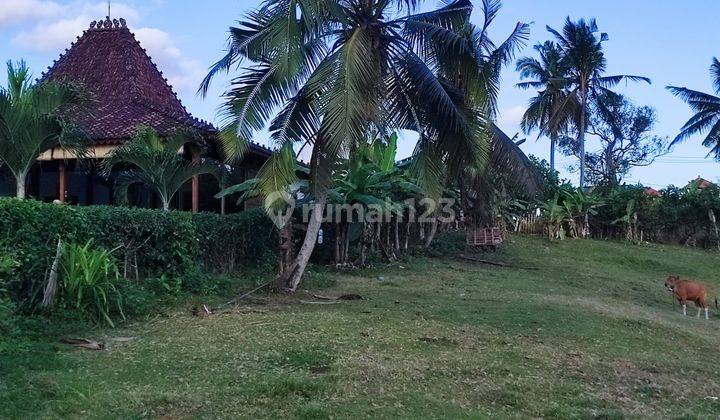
column 668, row 41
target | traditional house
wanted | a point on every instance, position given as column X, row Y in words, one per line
column 699, row 183
column 130, row 91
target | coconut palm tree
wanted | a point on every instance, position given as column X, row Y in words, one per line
column 31, row 121
column 155, row 162
column 337, row 69
column 707, row 113
column 583, row 56
column 552, row 109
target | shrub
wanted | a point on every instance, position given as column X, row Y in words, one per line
column 89, row 277
column 8, row 264
column 150, row 243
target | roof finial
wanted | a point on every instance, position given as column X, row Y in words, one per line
column 108, row 8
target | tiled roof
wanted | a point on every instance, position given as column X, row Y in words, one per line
column 129, row 88
column 652, row 192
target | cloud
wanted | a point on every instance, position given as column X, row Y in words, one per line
column 511, row 117
column 18, row 11
column 52, row 34
column 182, row 72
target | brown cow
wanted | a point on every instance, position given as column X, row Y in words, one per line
column 689, row 291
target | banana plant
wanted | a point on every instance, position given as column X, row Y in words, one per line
column 579, row 206
column 554, row 214
column 629, row 220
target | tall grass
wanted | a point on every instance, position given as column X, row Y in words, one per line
column 89, row 278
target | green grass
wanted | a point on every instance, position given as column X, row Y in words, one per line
column 573, row 329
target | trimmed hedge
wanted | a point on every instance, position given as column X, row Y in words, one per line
column 175, row 244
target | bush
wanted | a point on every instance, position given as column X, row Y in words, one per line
column 89, row 278
column 8, row 264
column 150, row 243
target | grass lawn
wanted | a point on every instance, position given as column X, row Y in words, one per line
column 574, row 329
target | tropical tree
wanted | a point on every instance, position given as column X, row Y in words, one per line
column 552, row 109
column 624, row 132
column 337, row 69
column 156, row 163
column 31, row 121
column 583, row 56
column 707, row 113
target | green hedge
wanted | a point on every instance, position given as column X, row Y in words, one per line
column 172, row 243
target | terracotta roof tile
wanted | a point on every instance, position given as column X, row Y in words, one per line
column 130, row 90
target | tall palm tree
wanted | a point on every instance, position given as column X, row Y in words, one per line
column 707, row 113
column 156, row 163
column 582, row 49
column 31, row 121
column 551, row 110
column 336, row 69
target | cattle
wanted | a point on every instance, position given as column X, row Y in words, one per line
column 689, row 291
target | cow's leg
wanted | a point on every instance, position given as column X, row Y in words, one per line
column 684, row 305
column 706, row 313
column 699, row 310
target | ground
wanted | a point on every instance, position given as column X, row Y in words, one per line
column 571, row 329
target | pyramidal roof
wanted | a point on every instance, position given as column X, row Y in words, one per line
column 129, row 89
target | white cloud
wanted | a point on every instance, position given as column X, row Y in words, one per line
column 17, row 11
column 182, row 73
column 52, row 34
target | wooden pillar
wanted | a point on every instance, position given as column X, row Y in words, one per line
column 62, row 181
column 195, row 186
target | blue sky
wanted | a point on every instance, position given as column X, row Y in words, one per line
column 670, row 42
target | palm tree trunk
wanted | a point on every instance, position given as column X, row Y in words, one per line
column 293, row 276
column 552, row 152
column 581, row 137
column 20, row 182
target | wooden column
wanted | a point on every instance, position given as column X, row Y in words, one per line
column 195, row 186
column 62, row 181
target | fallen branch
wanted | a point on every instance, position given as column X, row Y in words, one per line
column 84, row 343
column 351, row 296
column 477, row 260
column 246, row 294
column 333, row 302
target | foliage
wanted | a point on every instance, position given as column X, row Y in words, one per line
column 89, row 282
column 583, row 60
column 156, row 163
column 569, row 212
column 552, row 110
column 624, row 133
column 337, row 71
column 678, row 215
column 8, row 265
column 156, row 242
column 549, row 178
column 707, row 113
column 31, row 121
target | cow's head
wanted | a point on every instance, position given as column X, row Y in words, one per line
column 671, row 282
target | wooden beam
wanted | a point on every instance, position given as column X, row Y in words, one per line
column 62, row 181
